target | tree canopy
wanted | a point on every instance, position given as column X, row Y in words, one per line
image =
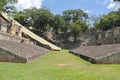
column 109, row 21
column 7, row 5
column 39, row 19
column 43, row 20
column 77, row 20
column 74, row 15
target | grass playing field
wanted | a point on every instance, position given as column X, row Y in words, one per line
column 59, row 66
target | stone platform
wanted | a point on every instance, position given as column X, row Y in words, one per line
column 104, row 54
column 19, row 52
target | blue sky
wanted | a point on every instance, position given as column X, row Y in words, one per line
column 92, row 7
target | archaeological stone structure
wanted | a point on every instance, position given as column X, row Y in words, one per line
column 103, row 54
column 9, row 32
column 19, row 44
column 111, row 36
column 14, row 28
column 100, row 47
column 95, row 37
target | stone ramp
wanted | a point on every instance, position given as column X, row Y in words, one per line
column 99, row 54
column 19, row 52
column 40, row 39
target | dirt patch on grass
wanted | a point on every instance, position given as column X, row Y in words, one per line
column 63, row 65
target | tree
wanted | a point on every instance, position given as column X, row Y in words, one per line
column 108, row 21
column 94, row 20
column 26, row 17
column 75, row 30
column 74, row 15
column 21, row 17
column 65, row 28
column 42, row 20
column 118, row 19
column 58, row 23
column 78, row 27
column 77, row 20
column 7, row 5
column 31, row 15
column 83, row 25
column 39, row 19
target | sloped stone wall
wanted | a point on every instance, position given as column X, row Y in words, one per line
column 103, row 54
column 6, row 56
column 17, row 52
column 111, row 59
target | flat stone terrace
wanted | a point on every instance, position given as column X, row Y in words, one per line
column 29, row 52
column 97, row 52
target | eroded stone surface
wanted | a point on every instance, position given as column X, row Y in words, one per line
column 99, row 54
column 29, row 52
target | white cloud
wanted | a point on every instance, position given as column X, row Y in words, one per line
column 87, row 11
column 113, row 4
column 26, row 4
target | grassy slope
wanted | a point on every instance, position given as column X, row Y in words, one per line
column 59, row 66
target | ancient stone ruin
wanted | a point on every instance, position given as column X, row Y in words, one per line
column 100, row 47
column 103, row 54
column 94, row 37
column 18, row 44
column 16, row 52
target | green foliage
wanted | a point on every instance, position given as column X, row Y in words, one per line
column 75, row 29
column 77, row 20
column 74, row 15
column 39, row 19
column 109, row 21
column 65, row 28
column 58, row 23
column 7, row 5
column 21, row 18
column 43, row 20
column 59, row 66
column 83, row 25
column 78, row 27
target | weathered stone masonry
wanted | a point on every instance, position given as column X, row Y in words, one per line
column 93, row 37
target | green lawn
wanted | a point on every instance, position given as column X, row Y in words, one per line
column 59, row 66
